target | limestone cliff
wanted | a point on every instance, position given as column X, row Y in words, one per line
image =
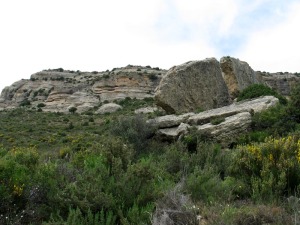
column 59, row 90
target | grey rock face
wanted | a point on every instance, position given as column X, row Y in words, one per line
column 108, row 108
column 227, row 131
column 173, row 133
column 237, row 118
column 252, row 106
column 283, row 83
column 169, row 120
column 237, row 75
column 192, row 86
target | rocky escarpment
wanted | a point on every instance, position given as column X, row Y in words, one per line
column 192, row 86
column 58, row 90
column 283, row 83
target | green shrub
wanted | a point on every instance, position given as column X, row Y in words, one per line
column 76, row 217
column 271, row 169
column 134, row 130
column 217, row 120
column 72, row 109
column 152, row 77
column 40, row 105
column 294, row 104
column 25, row 102
column 275, row 120
column 257, row 90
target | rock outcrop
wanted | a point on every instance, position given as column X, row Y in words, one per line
column 192, row 86
column 283, row 83
column 61, row 89
column 108, row 108
column 251, row 106
column 169, row 120
column 237, row 75
column 227, row 132
column 236, row 120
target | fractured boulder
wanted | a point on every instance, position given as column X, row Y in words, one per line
column 237, row 75
column 192, row 86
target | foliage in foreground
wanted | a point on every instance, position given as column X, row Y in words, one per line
column 109, row 169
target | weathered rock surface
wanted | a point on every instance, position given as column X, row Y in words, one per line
column 173, row 133
column 252, row 106
column 192, row 86
column 133, row 82
column 237, row 75
column 237, row 120
column 58, row 101
column 169, row 120
column 227, row 131
column 60, row 90
column 283, row 83
column 108, row 108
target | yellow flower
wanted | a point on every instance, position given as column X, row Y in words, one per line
column 18, row 190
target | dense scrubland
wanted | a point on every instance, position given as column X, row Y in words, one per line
column 111, row 169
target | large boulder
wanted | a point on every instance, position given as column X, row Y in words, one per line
column 108, row 108
column 237, row 75
column 192, row 86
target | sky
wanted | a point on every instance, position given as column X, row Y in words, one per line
column 96, row 35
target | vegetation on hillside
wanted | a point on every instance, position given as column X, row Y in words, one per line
column 257, row 90
column 68, row 169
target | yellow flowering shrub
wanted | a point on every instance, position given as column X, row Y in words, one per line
column 271, row 168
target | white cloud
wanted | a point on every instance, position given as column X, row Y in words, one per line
column 276, row 48
column 101, row 34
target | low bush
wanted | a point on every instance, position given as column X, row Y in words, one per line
column 271, row 169
column 257, row 90
column 275, row 121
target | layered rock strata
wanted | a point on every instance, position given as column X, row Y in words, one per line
column 59, row 90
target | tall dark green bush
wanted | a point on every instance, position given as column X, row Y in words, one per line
column 294, row 104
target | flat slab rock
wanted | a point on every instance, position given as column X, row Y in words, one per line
column 169, row 120
column 227, row 131
column 252, row 106
column 237, row 120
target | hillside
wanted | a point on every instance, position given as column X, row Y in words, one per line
column 165, row 155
